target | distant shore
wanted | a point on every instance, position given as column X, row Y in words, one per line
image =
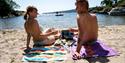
column 12, row 40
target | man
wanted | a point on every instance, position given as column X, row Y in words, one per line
column 87, row 27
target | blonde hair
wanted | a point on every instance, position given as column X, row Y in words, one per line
column 29, row 9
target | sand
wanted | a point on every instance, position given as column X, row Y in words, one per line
column 12, row 40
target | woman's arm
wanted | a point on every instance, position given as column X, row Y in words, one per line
column 73, row 29
column 28, row 40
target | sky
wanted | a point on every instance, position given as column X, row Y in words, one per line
column 52, row 5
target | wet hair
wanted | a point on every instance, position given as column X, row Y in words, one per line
column 29, row 9
column 83, row 1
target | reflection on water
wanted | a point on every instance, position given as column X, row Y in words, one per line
column 66, row 21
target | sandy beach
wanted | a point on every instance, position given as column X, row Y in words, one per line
column 12, row 40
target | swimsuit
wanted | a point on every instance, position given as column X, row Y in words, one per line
column 88, row 47
column 89, row 42
column 45, row 42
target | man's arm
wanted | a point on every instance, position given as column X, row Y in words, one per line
column 79, row 45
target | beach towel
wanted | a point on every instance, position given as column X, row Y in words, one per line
column 47, row 54
column 98, row 48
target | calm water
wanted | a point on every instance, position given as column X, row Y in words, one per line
column 66, row 21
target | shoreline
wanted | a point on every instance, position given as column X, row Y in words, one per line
column 12, row 40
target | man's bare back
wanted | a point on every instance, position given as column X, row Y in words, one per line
column 88, row 28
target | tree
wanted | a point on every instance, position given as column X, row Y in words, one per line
column 107, row 3
column 115, row 1
column 7, row 7
column 121, row 3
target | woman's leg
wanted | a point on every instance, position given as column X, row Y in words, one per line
column 49, row 30
column 49, row 41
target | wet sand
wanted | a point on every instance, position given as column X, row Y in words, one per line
column 12, row 40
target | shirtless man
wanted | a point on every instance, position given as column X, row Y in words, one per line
column 87, row 26
column 33, row 29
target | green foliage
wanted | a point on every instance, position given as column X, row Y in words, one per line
column 121, row 2
column 107, row 3
column 7, row 7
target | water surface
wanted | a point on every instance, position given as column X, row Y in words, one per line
column 65, row 21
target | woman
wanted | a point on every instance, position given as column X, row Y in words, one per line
column 33, row 30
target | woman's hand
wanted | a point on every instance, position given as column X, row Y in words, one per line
column 28, row 47
column 27, row 50
column 73, row 30
column 55, row 32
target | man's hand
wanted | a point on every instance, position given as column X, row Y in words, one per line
column 76, row 56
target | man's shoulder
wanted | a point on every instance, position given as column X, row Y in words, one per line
column 77, row 16
column 92, row 14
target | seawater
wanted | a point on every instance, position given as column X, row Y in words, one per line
column 66, row 21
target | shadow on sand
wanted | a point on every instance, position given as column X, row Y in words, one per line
column 98, row 59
